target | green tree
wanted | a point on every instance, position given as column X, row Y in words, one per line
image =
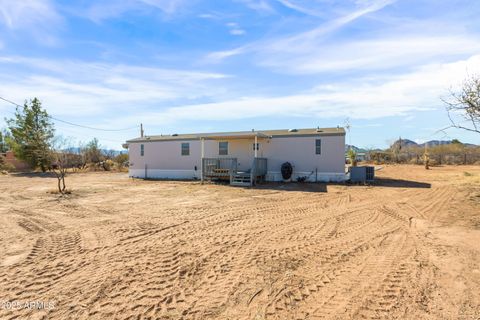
column 352, row 156
column 93, row 151
column 3, row 142
column 32, row 133
column 456, row 141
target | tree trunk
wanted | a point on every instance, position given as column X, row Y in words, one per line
column 59, row 186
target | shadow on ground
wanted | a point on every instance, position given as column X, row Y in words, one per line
column 293, row 186
column 400, row 183
column 33, row 174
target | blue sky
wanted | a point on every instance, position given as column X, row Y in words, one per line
column 181, row 66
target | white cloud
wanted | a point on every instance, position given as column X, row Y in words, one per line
column 218, row 56
column 372, row 54
column 113, row 96
column 235, row 29
column 71, row 88
column 237, row 32
column 304, row 39
column 358, row 99
column 261, row 6
column 37, row 17
column 27, row 13
column 167, row 6
column 129, row 94
column 299, row 8
column 207, row 16
column 107, row 9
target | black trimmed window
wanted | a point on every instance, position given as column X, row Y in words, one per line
column 223, row 148
column 318, row 146
column 142, row 150
column 185, row 149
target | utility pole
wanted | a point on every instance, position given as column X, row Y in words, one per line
column 348, row 126
column 141, row 130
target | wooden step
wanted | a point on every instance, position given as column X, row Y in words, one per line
column 240, row 184
column 241, row 179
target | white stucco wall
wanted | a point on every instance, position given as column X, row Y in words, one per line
column 164, row 160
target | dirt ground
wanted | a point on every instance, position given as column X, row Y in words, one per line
column 405, row 248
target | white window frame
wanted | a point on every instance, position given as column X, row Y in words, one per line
column 318, row 146
column 182, row 149
column 224, row 149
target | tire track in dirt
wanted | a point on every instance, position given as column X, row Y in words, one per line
column 230, row 254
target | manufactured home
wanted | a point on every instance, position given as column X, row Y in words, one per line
column 242, row 158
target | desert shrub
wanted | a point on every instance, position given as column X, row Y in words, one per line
column 121, row 160
column 414, row 161
column 380, row 157
column 352, row 157
column 107, row 165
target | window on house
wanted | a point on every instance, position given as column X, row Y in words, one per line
column 223, row 148
column 142, row 150
column 318, row 146
column 185, row 149
column 256, row 147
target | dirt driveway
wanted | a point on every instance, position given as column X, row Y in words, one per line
column 407, row 248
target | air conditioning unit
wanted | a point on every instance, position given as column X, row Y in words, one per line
column 362, row 174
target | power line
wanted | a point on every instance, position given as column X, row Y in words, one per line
column 71, row 123
column 71, row 131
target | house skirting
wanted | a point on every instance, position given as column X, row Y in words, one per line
column 311, row 177
column 164, row 174
column 274, row 176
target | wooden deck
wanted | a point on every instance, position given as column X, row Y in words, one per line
column 227, row 169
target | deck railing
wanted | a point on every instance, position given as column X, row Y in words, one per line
column 219, row 167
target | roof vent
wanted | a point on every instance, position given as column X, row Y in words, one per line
column 175, row 134
column 292, row 130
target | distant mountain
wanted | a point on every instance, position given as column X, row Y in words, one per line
column 409, row 143
column 356, row 149
column 359, row 150
column 104, row 151
column 404, row 143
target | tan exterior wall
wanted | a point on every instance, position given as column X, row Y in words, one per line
column 163, row 159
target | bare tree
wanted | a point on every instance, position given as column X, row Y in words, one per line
column 62, row 160
column 465, row 102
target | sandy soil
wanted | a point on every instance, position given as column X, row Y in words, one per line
column 406, row 248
